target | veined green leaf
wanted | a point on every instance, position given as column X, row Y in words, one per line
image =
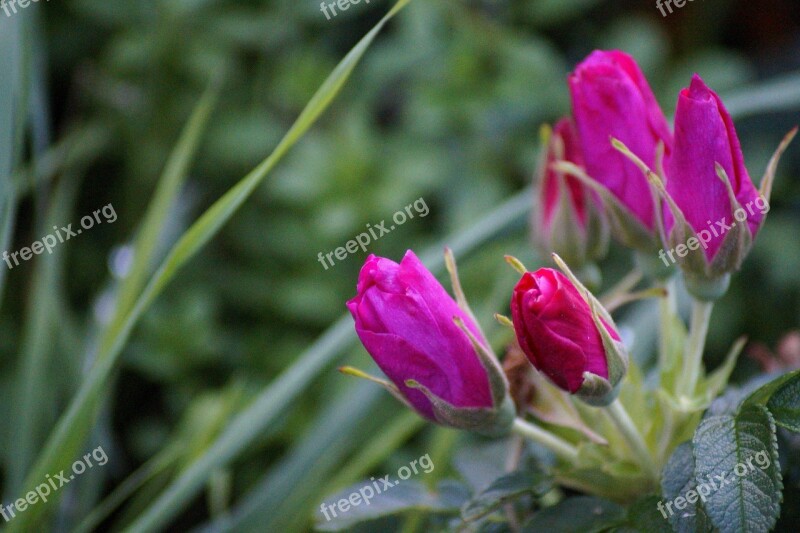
column 678, row 480
column 784, row 405
column 762, row 395
column 736, row 462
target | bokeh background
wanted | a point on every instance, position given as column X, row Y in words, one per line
column 446, row 105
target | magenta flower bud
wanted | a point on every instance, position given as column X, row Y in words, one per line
column 566, row 219
column 716, row 209
column 558, row 331
column 563, row 145
column 611, row 98
column 405, row 319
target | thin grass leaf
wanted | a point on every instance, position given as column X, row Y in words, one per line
column 146, row 242
column 361, row 410
column 34, row 396
column 148, row 471
column 10, row 139
column 777, row 94
column 74, row 425
column 80, row 416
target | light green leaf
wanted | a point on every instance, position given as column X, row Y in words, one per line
column 716, row 381
column 11, row 124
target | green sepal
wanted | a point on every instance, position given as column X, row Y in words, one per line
column 624, row 225
column 497, row 378
column 565, row 234
column 388, row 385
column 597, row 390
column 493, row 422
column 772, row 167
column 616, row 354
column 737, row 241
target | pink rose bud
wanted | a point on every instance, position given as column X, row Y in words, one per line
column 563, row 145
column 611, row 98
column 566, row 219
column 558, row 331
column 405, row 319
column 725, row 215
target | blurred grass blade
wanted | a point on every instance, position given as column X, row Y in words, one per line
column 273, row 402
column 342, row 424
column 10, row 126
column 73, row 427
column 146, row 242
column 281, row 499
column 80, row 417
column 74, row 149
column 34, row 396
column 777, row 94
column 149, row 470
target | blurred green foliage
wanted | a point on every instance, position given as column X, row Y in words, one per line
column 446, row 106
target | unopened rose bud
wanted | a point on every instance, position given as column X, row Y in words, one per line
column 432, row 351
column 566, row 219
column 611, row 98
column 561, row 336
column 715, row 209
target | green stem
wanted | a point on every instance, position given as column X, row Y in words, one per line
column 693, row 359
column 557, row 445
column 632, row 436
column 666, row 310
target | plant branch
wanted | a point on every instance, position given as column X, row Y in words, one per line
column 693, row 358
column 633, row 437
column 557, row 445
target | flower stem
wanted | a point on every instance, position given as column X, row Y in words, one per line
column 693, row 359
column 557, row 445
column 666, row 312
column 634, row 439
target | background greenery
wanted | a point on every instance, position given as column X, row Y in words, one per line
column 445, row 105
